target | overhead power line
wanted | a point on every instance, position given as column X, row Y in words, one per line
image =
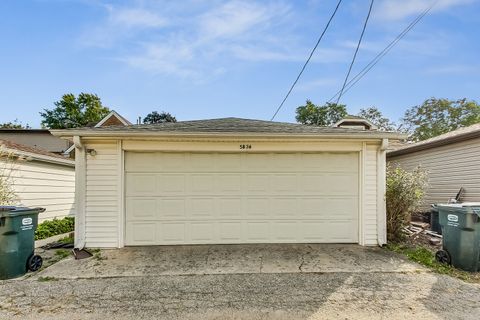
column 384, row 52
column 308, row 60
column 356, row 51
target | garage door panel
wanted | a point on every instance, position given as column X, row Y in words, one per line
column 202, row 208
column 230, row 231
column 257, row 183
column 257, row 208
column 258, row 231
column 202, row 162
column 228, row 184
column 328, row 208
column 173, row 184
column 140, row 184
column 284, row 183
column 141, row 233
column 330, row 162
column 201, row 183
column 241, row 198
column 142, row 209
column 284, row 207
column 202, row 232
column 170, row 232
column 171, row 208
column 229, row 208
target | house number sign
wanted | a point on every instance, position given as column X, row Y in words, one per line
column 245, row 146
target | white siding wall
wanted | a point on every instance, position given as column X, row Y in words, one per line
column 370, row 196
column 450, row 167
column 47, row 185
column 104, row 212
column 101, row 195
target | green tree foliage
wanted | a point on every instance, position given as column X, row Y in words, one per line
column 13, row 125
column 74, row 112
column 404, row 193
column 325, row 115
column 376, row 117
column 438, row 116
column 155, row 117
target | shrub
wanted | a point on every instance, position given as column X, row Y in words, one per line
column 404, row 193
column 7, row 193
column 54, row 227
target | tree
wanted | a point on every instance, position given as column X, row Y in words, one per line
column 438, row 116
column 14, row 125
column 72, row 112
column 155, row 117
column 325, row 115
column 376, row 117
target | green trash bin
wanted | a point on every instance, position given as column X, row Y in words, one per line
column 17, row 241
column 461, row 235
column 434, row 220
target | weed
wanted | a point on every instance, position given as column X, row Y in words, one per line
column 62, row 253
column 46, row 279
column 426, row 258
column 67, row 240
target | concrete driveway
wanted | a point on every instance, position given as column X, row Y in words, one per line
column 231, row 259
column 240, row 282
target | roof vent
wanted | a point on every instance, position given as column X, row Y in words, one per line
column 354, row 122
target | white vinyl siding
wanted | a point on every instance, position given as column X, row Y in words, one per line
column 47, row 185
column 106, row 196
column 101, row 195
column 370, row 196
column 450, row 167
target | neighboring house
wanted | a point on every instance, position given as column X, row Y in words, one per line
column 111, row 119
column 36, row 138
column 231, row 180
column 452, row 161
column 40, row 179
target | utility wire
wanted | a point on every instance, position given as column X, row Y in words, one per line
column 356, row 51
column 308, row 60
column 384, row 52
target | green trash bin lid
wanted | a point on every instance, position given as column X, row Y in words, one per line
column 12, row 211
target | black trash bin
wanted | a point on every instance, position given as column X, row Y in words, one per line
column 461, row 235
column 17, row 241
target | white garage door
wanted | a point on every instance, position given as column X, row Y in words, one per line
column 189, row 198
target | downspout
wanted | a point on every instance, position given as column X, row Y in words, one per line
column 381, row 188
column 80, row 176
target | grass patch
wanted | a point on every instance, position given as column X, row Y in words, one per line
column 62, row 253
column 426, row 258
column 66, row 240
column 54, row 227
column 46, row 279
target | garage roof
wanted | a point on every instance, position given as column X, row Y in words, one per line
column 226, row 126
column 454, row 136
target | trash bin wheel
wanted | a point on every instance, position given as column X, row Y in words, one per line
column 443, row 256
column 34, row 262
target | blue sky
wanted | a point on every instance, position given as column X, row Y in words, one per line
column 207, row 59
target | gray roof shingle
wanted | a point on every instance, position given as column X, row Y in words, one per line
column 227, row 125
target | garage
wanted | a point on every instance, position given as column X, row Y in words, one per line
column 229, row 181
column 224, row 198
